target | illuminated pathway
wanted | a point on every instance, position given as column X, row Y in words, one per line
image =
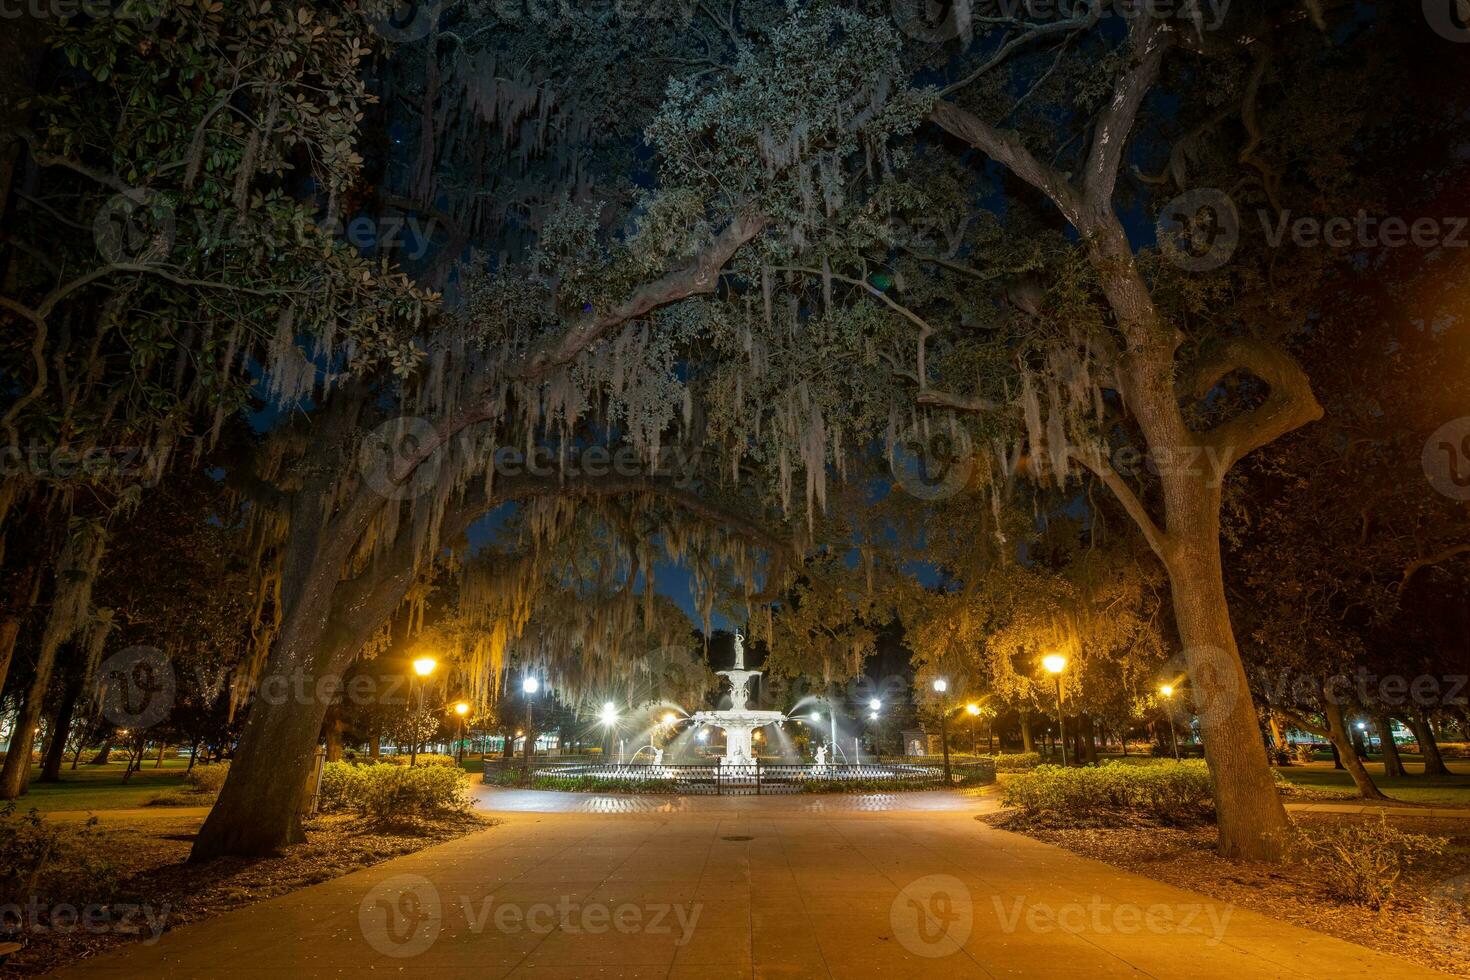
column 899, row 886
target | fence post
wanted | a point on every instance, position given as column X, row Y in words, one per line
column 718, row 790
column 757, row 775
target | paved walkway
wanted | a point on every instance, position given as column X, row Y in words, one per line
column 745, row 887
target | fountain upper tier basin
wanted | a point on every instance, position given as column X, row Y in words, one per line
column 741, row 716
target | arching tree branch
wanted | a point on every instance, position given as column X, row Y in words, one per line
column 1289, row 405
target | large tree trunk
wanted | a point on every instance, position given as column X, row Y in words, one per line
column 1393, row 764
column 257, row 812
column 60, row 729
column 1028, row 740
column 103, row 754
column 1252, row 821
column 1428, row 746
column 16, row 774
column 1342, row 741
column 1088, row 733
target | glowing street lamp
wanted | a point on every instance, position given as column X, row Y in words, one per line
column 1055, row 663
column 973, row 710
column 670, row 718
column 423, row 667
column 609, row 716
column 1167, row 690
column 875, row 704
column 530, row 686
column 941, row 687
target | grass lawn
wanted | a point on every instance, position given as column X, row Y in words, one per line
column 101, row 787
column 1452, row 790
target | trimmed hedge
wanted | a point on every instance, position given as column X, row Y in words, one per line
column 424, row 759
column 1171, row 793
column 1015, row 761
column 390, row 793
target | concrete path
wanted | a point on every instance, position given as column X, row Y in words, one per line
column 745, row 887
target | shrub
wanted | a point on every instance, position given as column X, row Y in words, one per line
column 601, row 784
column 1359, row 861
column 50, row 862
column 392, row 793
column 1112, row 794
column 424, row 759
column 1455, row 750
column 207, row 779
column 1016, row 762
column 505, row 776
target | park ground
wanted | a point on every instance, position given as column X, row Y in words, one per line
column 914, row 885
column 150, row 842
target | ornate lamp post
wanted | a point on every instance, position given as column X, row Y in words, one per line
column 941, row 686
column 874, row 706
column 530, row 686
column 609, row 725
column 973, row 710
column 1167, row 690
column 1055, row 663
column 423, row 667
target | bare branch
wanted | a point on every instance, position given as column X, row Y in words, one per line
column 700, row 276
column 1006, row 148
column 1037, row 32
column 1419, row 564
column 1102, row 468
column 1115, row 125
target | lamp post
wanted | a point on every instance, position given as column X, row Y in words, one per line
column 461, row 709
column 973, row 710
column 609, row 723
column 423, row 667
column 940, row 687
column 874, row 706
column 1055, row 663
column 530, row 686
column 1167, row 691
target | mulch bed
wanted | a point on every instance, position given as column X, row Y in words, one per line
column 1186, row 858
column 152, row 855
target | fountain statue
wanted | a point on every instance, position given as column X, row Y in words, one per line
column 821, row 757
column 658, row 757
column 738, row 721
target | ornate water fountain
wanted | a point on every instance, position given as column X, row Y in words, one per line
column 738, row 721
